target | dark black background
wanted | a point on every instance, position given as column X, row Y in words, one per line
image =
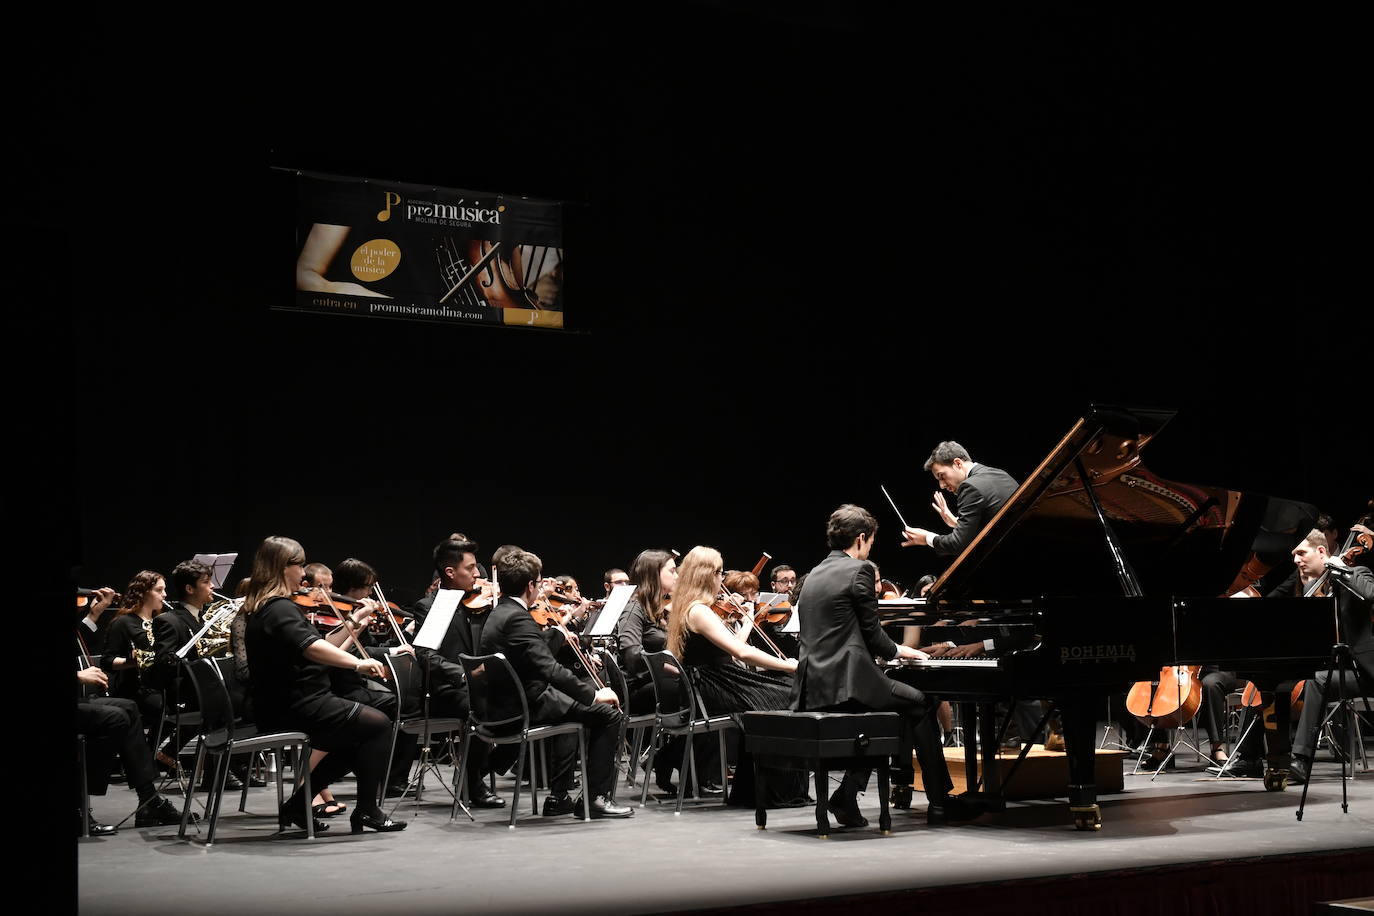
column 802, row 248
column 805, row 243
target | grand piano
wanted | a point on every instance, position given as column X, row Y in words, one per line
column 1095, row 574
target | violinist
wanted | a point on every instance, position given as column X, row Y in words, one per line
column 456, row 568
column 613, row 577
column 1354, row 604
column 744, row 586
column 709, row 648
column 353, row 580
column 555, row 694
column 317, row 575
column 94, row 623
column 112, row 725
column 644, row 628
column 291, row 689
column 840, row 637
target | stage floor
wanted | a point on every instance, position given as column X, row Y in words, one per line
column 709, row 857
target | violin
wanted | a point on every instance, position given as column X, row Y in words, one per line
column 774, row 613
column 729, row 610
column 550, row 617
column 483, row 598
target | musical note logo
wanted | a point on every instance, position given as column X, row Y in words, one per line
column 391, row 198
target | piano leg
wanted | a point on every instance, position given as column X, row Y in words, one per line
column 968, row 715
column 1080, row 726
column 1277, row 747
column 987, row 737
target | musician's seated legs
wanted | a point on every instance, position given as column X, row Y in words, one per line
column 1313, row 710
column 1216, row 686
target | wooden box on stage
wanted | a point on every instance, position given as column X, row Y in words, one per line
column 1043, row 774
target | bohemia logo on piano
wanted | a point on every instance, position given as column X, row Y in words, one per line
column 1111, row 653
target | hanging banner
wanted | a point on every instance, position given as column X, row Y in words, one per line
column 392, row 250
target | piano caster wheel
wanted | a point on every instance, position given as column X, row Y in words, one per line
column 1089, row 818
column 822, row 836
column 1275, row 780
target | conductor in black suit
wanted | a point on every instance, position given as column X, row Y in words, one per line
column 836, row 671
column 979, row 490
column 555, row 694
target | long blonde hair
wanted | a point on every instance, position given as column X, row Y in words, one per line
column 268, row 580
column 696, row 584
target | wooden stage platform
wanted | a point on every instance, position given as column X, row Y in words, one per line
column 1184, row 843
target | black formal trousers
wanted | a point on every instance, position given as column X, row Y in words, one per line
column 919, row 731
column 603, row 731
column 112, row 725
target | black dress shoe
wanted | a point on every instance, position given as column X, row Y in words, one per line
column 901, row 797
column 952, row 809
column 397, row 789
column 378, row 822
column 712, row 788
column 160, row 812
column 292, row 814
column 555, row 805
column 95, row 827
column 244, row 774
column 601, row 806
column 483, row 797
column 231, row 782
column 846, row 811
column 1298, row 770
column 1240, row 768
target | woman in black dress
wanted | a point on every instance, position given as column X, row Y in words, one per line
column 711, row 651
column 129, row 650
column 290, row 685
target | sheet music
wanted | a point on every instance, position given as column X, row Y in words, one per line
column 438, row 619
column 219, row 563
column 793, row 624
column 611, row 611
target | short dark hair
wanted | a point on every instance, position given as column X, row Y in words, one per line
column 945, row 453
column 188, row 575
column 353, row 573
column 610, row 574
column 780, row 568
column 312, row 572
column 450, row 552
column 847, row 523
column 517, row 570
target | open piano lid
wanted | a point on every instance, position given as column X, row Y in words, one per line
column 1180, row 539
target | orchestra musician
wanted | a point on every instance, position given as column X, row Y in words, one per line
column 784, row 580
column 644, row 628
column 554, row 692
column 130, row 650
column 455, row 565
column 708, row 648
column 613, row 577
column 113, row 725
column 172, row 629
column 836, row 672
column 1354, row 604
column 291, row 690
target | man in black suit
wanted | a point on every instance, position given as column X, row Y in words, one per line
column 173, row 628
column 1354, row 602
column 555, row 694
column 979, row 490
column 455, row 563
column 836, row 671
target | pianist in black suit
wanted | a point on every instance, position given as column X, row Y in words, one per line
column 836, row 671
column 979, row 490
column 1354, row 604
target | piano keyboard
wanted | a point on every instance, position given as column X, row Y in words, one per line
column 943, row 663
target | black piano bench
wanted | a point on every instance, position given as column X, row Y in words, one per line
column 821, row 741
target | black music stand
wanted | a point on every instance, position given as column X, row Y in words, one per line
column 1342, row 660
